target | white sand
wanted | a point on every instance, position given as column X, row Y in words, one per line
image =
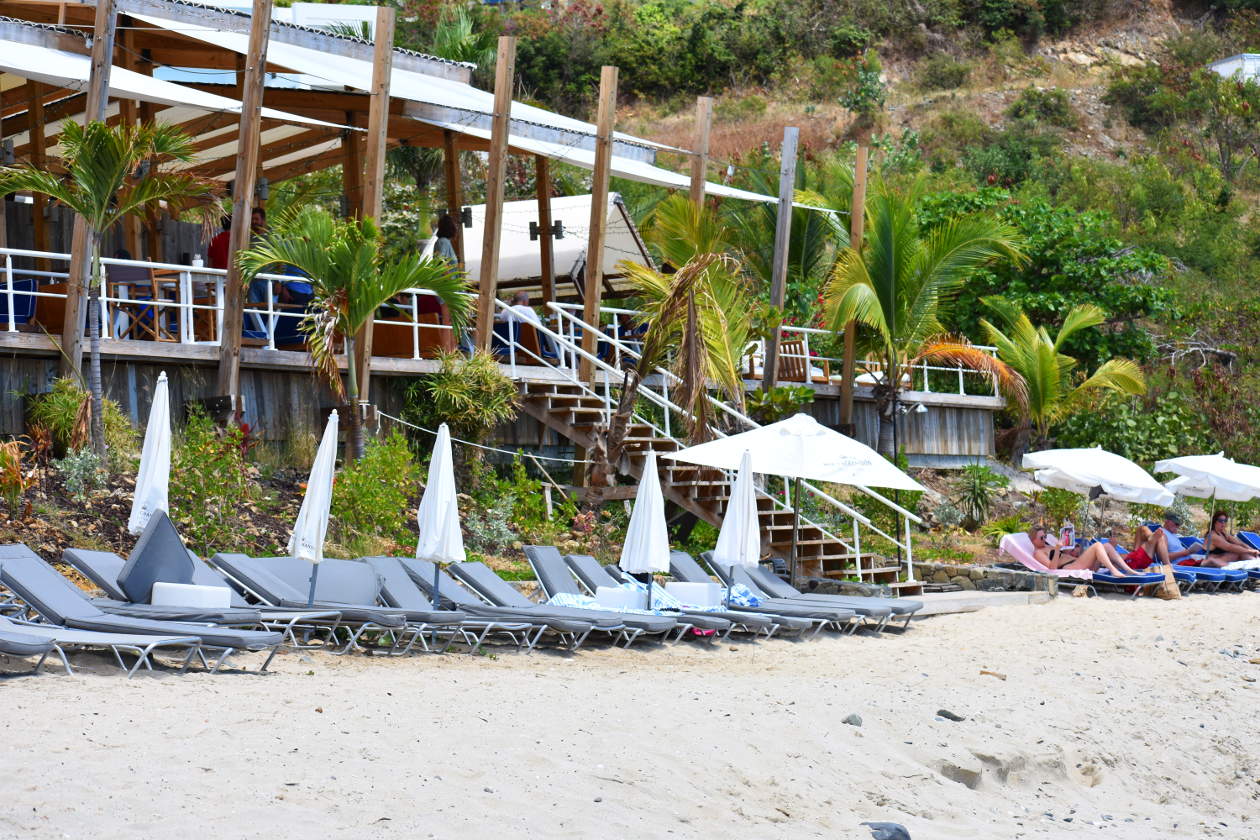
column 1144, row 721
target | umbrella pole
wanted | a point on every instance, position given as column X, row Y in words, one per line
column 310, row 596
column 649, row 591
column 730, row 581
column 437, row 595
column 796, row 526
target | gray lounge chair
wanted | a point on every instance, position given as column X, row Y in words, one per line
column 555, row 578
column 481, row 579
column 684, row 568
column 777, row 587
column 61, row 602
column 53, row 638
column 400, row 591
column 14, row 642
column 421, row 573
column 592, row 576
column 270, row 583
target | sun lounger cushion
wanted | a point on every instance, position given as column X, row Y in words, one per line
column 16, row 642
column 1019, row 547
column 279, row 581
column 552, row 572
column 100, row 567
column 159, row 555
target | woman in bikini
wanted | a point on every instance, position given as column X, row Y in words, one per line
column 1225, row 547
column 1095, row 557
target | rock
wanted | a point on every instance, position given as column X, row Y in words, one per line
column 887, row 831
column 962, row 582
column 940, row 576
column 948, row 715
column 966, row 776
column 853, row 720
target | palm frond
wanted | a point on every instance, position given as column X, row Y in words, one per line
column 956, row 351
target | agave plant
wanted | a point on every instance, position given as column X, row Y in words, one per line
column 350, row 280
column 110, row 173
column 1048, row 374
column 902, row 283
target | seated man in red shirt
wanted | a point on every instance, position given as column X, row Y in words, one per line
column 218, row 251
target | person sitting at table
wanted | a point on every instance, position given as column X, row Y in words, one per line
column 519, row 311
column 217, row 253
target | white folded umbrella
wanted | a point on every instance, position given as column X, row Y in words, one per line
column 307, row 539
column 1083, row 470
column 1212, row 476
column 646, row 548
column 441, row 540
column 154, row 476
column 739, row 539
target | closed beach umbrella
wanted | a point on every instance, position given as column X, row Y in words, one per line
column 155, row 462
column 646, row 548
column 307, row 540
column 739, row 540
column 1086, row 470
column 441, row 540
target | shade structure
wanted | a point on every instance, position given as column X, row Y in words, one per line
column 739, row 540
column 154, row 476
column 307, row 540
column 1212, row 476
column 646, row 548
column 441, row 540
column 1083, row 470
column 801, row 447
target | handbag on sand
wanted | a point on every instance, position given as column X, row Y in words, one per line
column 1168, row 590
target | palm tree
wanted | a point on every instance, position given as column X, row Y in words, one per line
column 901, row 285
column 1047, row 373
column 350, row 280
column 110, row 173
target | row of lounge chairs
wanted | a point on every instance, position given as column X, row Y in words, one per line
column 381, row 604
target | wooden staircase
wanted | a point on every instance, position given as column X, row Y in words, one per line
column 575, row 413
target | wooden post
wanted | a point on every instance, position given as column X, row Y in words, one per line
column 80, row 271
column 352, row 170
column 4, row 201
column 594, row 274
column 454, row 191
column 374, row 167
column 39, row 159
column 497, row 169
column 782, row 242
column 130, row 115
column 546, row 250
column 700, row 155
column 857, row 216
column 229, row 378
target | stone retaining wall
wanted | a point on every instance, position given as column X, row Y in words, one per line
column 984, row 578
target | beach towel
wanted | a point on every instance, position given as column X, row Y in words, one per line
column 1019, row 547
column 586, row 602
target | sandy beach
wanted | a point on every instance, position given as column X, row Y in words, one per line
column 1116, row 719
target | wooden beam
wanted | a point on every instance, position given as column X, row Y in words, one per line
column 352, row 169
column 546, row 255
column 130, row 114
column 496, row 172
column 38, row 159
column 80, row 269
column 782, row 243
column 276, row 148
column 700, row 155
column 857, row 217
column 374, row 167
column 593, row 287
column 454, row 190
column 229, row 377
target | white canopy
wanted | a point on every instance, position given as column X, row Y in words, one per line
column 154, row 476
column 441, row 540
column 646, row 548
column 307, row 540
column 1081, row 470
column 69, row 70
column 801, row 447
column 739, row 540
column 1208, row 476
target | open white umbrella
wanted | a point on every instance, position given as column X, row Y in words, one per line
column 646, row 548
column 1212, row 476
column 155, row 462
column 1086, row 470
column 739, row 540
column 441, row 540
column 801, row 448
column 307, row 539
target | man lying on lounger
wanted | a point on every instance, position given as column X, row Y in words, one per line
column 1093, row 558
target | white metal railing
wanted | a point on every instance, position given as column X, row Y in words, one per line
column 184, row 304
column 568, row 350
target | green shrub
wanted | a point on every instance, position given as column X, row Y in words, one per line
column 371, row 496
column 82, row 473
column 779, row 402
column 1059, row 505
column 1142, row 429
column 486, row 526
column 742, row 108
column 974, row 489
column 995, row 529
column 58, row 411
column 941, row 71
column 210, row 485
column 1044, row 105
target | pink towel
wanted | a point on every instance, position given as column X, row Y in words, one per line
column 1019, row 546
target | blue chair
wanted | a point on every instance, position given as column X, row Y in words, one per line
column 23, row 301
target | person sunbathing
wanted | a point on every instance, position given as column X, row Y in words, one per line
column 1094, row 558
column 1225, row 547
column 1150, row 546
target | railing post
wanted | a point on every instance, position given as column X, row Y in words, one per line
column 184, row 294
column 8, row 275
column 415, row 325
column 857, row 546
column 271, row 316
column 665, row 394
column 962, row 388
column 909, row 552
column 105, row 301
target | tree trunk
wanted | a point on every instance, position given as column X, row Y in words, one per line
column 886, row 420
column 606, row 454
column 354, row 427
column 95, row 388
